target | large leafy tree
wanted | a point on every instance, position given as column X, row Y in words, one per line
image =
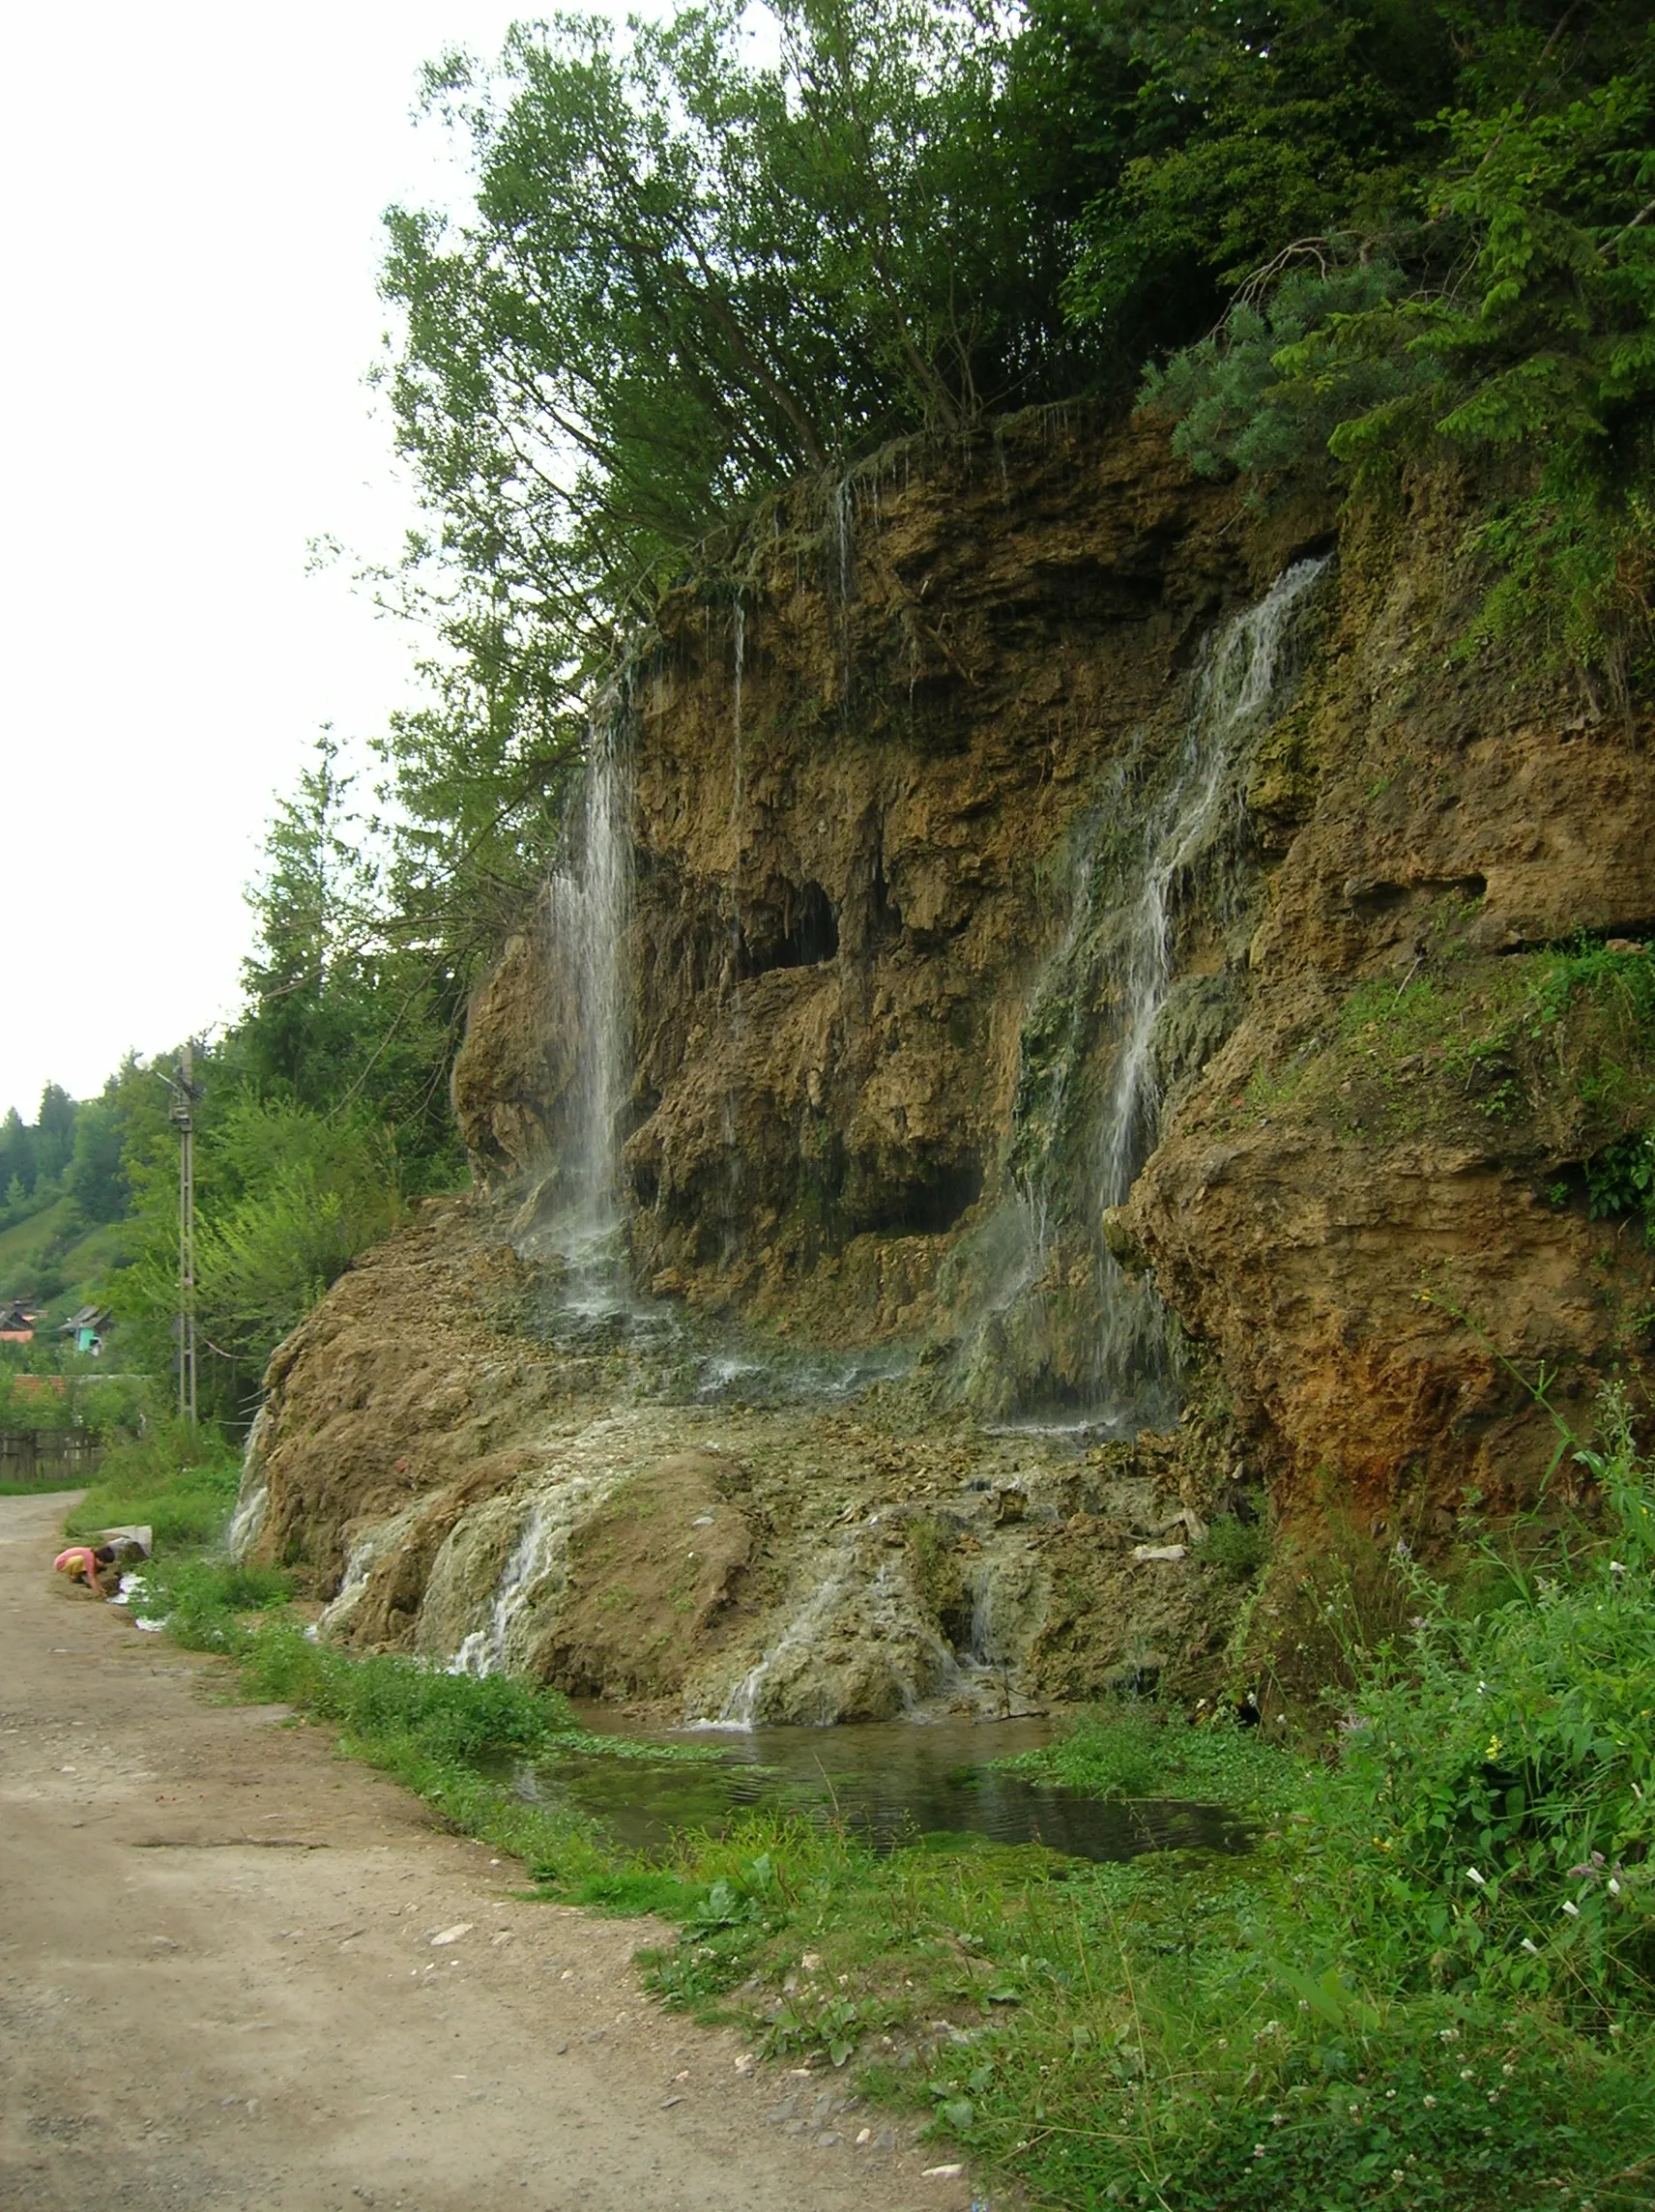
column 696, row 266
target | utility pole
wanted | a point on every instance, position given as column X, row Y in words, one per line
column 184, row 1093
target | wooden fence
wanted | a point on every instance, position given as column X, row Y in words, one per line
column 56, row 1457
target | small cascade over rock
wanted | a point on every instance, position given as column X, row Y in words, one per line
column 908, row 1613
column 1065, row 1334
column 524, row 1601
column 860, row 1646
column 252, row 1496
column 370, row 1548
column 1240, row 679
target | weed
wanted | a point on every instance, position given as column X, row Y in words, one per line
column 1123, row 1751
column 1236, row 1548
column 179, row 1481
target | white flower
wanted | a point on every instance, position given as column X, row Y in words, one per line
column 1472, row 1875
column 1617, row 1566
column 1533, row 1949
column 1613, row 1886
column 1571, row 1908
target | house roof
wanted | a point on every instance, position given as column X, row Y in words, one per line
column 89, row 1317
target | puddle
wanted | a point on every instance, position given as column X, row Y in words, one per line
column 890, row 1782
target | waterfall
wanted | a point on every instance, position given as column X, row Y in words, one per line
column 546, row 1532
column 1164, row 841
column 1237, row 685
column 1235, row 682
column 252, row 1496
column 588, row 910
column 844, row 535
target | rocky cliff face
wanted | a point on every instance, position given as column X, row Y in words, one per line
column 1003, row 931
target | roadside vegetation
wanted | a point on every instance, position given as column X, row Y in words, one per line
column 1430, row 1983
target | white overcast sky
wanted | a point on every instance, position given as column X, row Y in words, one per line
column 190, row 202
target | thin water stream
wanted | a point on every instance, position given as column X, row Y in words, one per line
column 889, row 1783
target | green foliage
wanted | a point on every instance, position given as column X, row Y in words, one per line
column 1561, row 1042
column 1497, row 307
column 1152, row 1750
column 68, row 1148
column 1504, row 1767
column 1235, row 409
column 1467, row 2125
column 695, row 269
column 286, row 1197
column 1237, row 1548
column 1229, row 137
column 447, row 1717
column 179, row 1481
column 1621, row 1179
column 200, row 1599
column 93, row 1178
column 353, row 1007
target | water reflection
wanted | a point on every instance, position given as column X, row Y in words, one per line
column 889, row 1782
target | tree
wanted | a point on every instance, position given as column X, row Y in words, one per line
column 1411, row 229
column 94, row 1178
column 693, row 273
column 17, row 1159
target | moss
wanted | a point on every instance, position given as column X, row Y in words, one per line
column 1558, row 1044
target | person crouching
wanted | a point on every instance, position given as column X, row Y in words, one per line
column 97, row 1566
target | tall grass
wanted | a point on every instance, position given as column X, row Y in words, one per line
column 179, row 1481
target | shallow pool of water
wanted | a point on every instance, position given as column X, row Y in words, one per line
column 889, row 1782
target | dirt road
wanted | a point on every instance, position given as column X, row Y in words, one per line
column 240, row 1974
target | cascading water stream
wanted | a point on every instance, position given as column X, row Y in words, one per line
column 592, row 925
column 589, row 904
column 1236, row 683
column 485, row 1650
column 1089, row 1094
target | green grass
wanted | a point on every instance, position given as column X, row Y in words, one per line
column 1144, row 1750
column 1561, row 1041
column 1343, row 2020
column 35, row 1489
column 181, row 1483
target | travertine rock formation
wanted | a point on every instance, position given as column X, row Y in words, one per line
column 889, row 762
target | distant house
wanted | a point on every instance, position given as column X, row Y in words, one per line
column 16, row 1322
column 83, row 1331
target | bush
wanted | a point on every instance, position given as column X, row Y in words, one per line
column 181, row 1481
column 1500, row 1770
column 449, row 1717
column 1234, row 1547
